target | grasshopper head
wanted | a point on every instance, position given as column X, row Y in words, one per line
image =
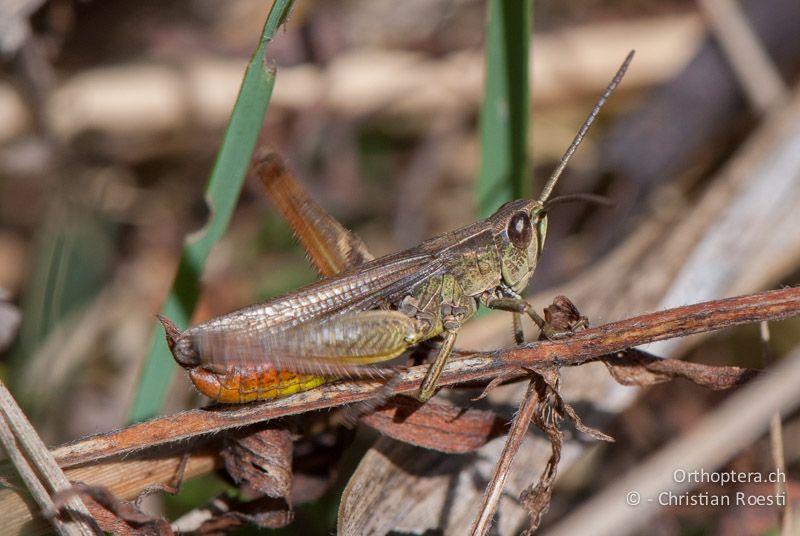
column 520, row 230
column 520, row 226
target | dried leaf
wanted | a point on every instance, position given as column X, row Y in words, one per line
column 498, row 381
column 261, row 462
column 397, row 486
column 113, row 515
column 231, row 514
column 581, row 427
column 316, row 460
column 562, row 315
column 436, row 426
column 635, row 367
column 537, row 497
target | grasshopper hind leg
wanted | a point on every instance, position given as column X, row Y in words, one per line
column 454, row 308
column 428, row 387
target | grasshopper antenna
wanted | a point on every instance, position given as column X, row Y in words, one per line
column 551, row 182
column 571, row 198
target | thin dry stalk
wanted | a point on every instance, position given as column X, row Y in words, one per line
column 776, row 439
column 582, row 347
column 519, row 428
column 28, row 476
column 17, row 435
column 175, row 430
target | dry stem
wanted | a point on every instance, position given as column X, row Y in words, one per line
column 582, row 347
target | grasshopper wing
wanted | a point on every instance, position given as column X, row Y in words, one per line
column 344, row 345
column 320, row 325
column 248, row 366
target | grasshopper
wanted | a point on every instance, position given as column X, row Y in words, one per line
column 367, row 310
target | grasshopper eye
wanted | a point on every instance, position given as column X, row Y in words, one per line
column 519, row 230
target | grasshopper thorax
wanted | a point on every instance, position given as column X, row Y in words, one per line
column 520, row 228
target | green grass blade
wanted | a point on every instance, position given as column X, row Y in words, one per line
column 69, row 269
column 504, row 170
column 222, row 193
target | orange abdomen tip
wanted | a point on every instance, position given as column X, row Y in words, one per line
column 238, row 386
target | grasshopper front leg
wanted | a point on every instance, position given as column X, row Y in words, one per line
column 519, row 306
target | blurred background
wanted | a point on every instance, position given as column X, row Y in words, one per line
column 111, row 114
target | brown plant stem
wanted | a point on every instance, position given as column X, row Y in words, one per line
column 586, row 345
column 776, row 441
column 192, row 430
column 519, row 428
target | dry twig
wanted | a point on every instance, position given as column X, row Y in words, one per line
column 39, row 471
column 776, row 439
column 582, row 347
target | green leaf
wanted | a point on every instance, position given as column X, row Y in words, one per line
column 504, row 170
column 69, row 270
column 222, row 192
